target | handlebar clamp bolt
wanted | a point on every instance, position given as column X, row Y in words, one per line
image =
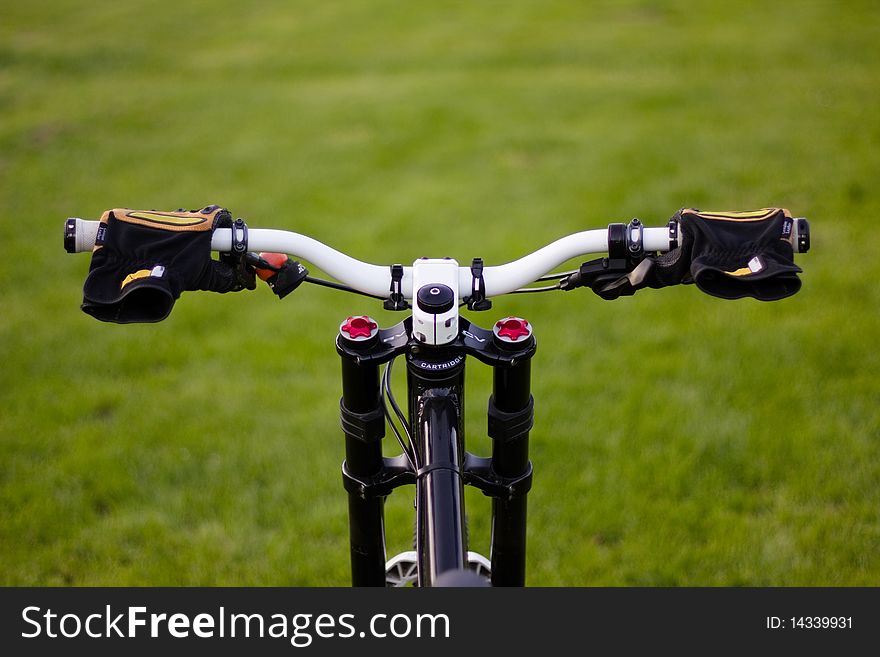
column 359, row 330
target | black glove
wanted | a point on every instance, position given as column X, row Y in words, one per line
column 741, row 254
column 143, row 261
column 727, row 254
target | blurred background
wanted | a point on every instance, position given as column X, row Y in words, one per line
column 679, row 440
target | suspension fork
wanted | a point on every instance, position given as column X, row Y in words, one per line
column 436, row 386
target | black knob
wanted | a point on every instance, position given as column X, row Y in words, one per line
column 435, row 299
column 70, row 235
column 803, row 234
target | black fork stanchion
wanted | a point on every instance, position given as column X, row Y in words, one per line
column 511, row 413
column 364, row 426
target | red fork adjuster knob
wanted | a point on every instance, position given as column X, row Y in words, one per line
column 358, row 327
column 512, row 329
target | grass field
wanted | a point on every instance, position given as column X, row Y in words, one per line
column 679, row 439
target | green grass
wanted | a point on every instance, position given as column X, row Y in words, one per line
column 680, row 439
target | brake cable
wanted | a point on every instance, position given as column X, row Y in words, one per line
column 385, row 395
column 339, row 286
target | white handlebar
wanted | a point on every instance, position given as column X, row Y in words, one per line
column 376, row 279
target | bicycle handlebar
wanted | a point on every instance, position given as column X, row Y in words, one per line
column 80, row 235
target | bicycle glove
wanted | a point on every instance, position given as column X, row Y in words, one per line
column 142, row 261
column 727, row 254
column 740, row 254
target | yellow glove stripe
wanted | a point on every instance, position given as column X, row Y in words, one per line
column 142, row 273
column 182, row 221
column 751, row 215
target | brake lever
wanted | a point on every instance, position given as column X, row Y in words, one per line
column 282, row 273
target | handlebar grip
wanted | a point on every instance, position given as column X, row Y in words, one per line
column 800, row 238
column 80, row 234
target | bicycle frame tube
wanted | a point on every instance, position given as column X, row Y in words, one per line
column 436, row 398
